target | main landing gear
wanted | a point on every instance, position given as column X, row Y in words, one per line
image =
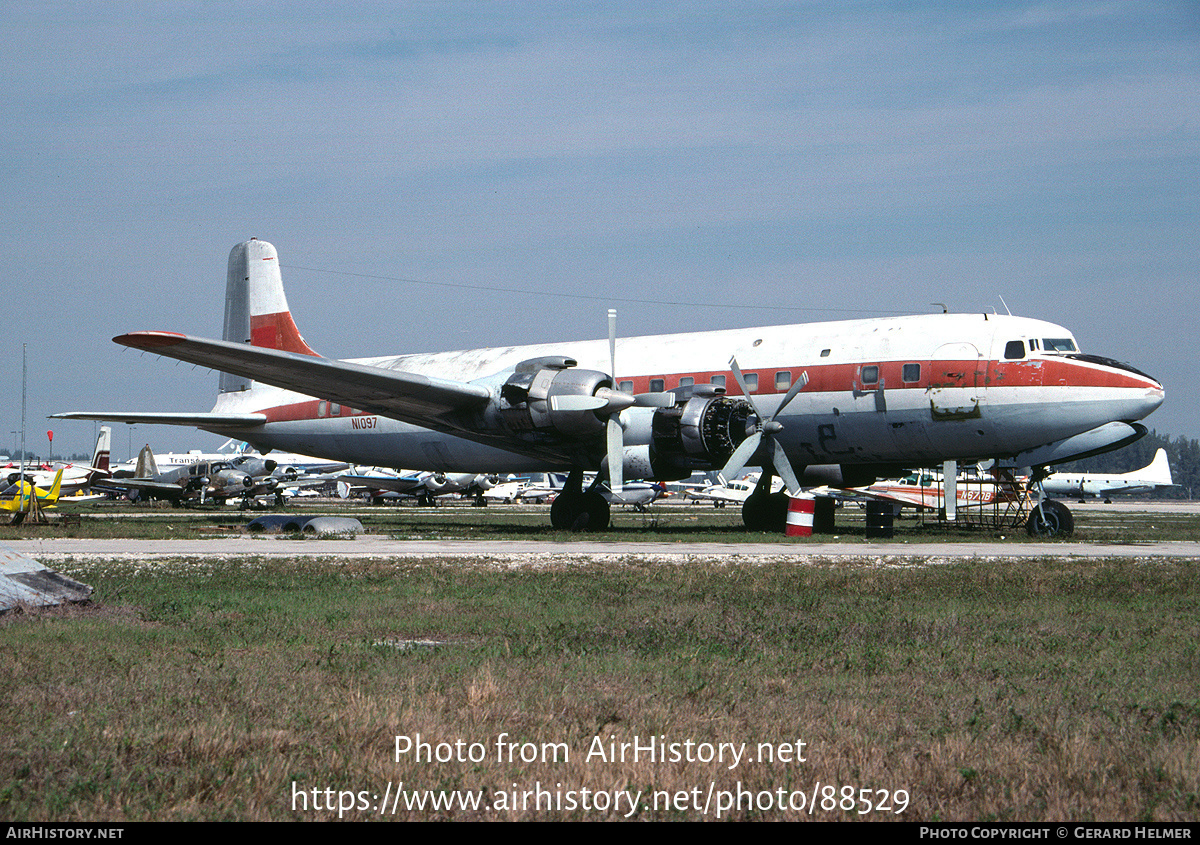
column 764, row 510
column 576, row 509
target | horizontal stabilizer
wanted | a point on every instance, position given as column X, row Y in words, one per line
column 209, row 420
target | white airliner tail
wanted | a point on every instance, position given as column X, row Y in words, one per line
column 1159, row 471
column 256, row 309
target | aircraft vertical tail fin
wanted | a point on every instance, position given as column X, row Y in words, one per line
column 147, row 467
column 100, row 457
column 256, row 309
column 1160, row 469
column 52, row 495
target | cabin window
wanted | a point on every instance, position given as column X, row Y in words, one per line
column 783, row 381
column 825, row 353
column 870, row 375
column 657, row 385
column 911, row 373
column 1059, row 344
column 335, row 410
column 718, row 381
column 625, row 387
column 1014, row 350
column 686, row 381
column 751, row 382
column 322, row 408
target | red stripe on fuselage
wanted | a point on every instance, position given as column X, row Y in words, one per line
column 833, row 378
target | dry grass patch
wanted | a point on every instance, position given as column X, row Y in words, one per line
column 232, row 690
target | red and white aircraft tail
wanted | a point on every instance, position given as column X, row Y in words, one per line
column 256, row 309
column 102, row 454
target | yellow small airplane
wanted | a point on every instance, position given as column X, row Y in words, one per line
column 18, row 498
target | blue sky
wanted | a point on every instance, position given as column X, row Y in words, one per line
column 441, row 175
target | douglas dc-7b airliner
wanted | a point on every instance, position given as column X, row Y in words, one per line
column 844, row 401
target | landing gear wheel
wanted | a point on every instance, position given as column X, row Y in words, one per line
column 580, row 512
column 765, row 512
column 1051, row 519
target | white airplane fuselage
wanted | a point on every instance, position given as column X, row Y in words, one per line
column 1100, row 485
column 914, row 390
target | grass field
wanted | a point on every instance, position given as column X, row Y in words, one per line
column 306, row 689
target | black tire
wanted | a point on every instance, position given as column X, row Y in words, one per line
column 580, row 512
column 1049, row 521
column 766, row 512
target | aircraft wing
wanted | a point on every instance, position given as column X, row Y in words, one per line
column 397, row 484
column 408, row 397
column 862, row 495
column 165, row 489
column 152, row 418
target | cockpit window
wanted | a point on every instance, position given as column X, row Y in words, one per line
column 1014, row 349
column 1059, row 344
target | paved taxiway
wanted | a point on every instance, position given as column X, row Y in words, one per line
column 514, row 552
column 598, row 547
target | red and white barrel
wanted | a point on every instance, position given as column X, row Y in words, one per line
column 800, row 516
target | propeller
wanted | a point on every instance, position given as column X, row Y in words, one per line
column 767, row 427
column 615, row 435
column 610, row 402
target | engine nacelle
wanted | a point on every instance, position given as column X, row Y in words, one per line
column 702, row 432
column 699, row 432
column 527, row 398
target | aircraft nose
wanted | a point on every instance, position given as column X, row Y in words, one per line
column 1154, row 397
column 1134, row 394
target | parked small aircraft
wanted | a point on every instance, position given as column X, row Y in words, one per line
column 636, row 494
column 508, row 491
column 243, row 477
column 843, row 402
column 536, row 488
column 424, row 486
column 926, row 490
column 17, row 497
column 1098, row 484
column 74, row 478
column 731, row 492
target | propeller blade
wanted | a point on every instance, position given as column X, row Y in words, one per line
column 655, row 400
column 741, row 454
column 741, row 382
column 783, row 469
column 612, row 342
column 616, row 456
column 791, row 394
column 605, row 400
column 572, row 402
